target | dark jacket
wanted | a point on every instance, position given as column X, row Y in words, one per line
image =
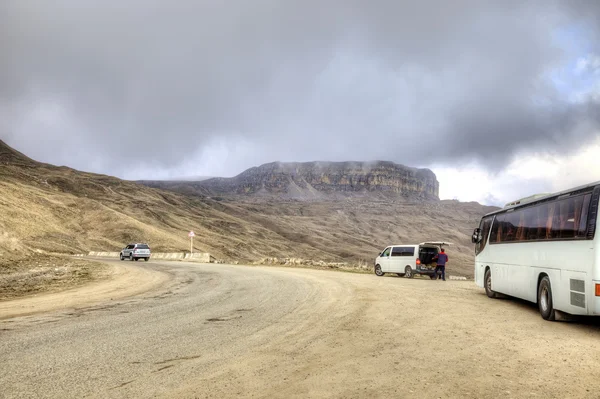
column 442, row 258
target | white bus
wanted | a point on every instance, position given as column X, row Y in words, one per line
column 543, row 249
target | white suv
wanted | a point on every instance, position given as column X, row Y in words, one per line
column 135, row 252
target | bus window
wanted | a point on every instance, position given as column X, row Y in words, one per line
column 570, row 217
column 485, row 226
column 532, row 223
column 511, row 221
column 522, row 227
column 566, row 218
column 581, row 221
column 542, row 220
column 497, row 228
column 554, row 220
column 550, row 220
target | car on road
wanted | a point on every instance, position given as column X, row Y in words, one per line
column 135, row 252
column 406, row 260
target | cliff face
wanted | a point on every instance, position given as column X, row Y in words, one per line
column 318, row 179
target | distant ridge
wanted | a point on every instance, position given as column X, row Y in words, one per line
column 314, row 180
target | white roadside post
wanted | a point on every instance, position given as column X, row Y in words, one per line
column 191, row 235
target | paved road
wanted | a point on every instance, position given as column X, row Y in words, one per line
column 224, row 331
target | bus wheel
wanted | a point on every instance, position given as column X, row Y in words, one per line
column 378, row 271
column 545, row 300
column 487, row 282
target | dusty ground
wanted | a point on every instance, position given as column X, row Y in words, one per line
column 101, row 282
column 236, row 331
column 38, row 274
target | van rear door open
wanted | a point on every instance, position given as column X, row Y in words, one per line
column 427, row 254
column 435, row 243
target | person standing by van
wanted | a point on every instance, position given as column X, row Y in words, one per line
column 442, row 259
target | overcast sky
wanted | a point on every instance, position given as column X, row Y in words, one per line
column 500, row 98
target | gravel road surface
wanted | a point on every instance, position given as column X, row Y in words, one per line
column 217, row 331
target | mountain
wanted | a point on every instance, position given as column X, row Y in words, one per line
column 49, row 209
column 350, row 209
column 317, row 180
column 10, row 156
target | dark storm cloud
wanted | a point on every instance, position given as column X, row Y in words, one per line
column 110, row 86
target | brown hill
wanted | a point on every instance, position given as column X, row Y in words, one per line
column 61, row 210
column 9, row 155
column 44, row 208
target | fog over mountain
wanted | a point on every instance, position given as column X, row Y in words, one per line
column 155, row 89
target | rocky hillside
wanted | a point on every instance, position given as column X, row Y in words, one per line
column 49, row 209
column 317, row 180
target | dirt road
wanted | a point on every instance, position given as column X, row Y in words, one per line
column 119, row 281
column 224, row 331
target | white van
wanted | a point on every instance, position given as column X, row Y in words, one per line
column 410, row 259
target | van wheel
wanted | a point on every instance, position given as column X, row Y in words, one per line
column 378, row 271
column 545, row 300
column 487, row 282
column 408, row 273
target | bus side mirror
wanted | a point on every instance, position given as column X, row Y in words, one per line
column 476, row 237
